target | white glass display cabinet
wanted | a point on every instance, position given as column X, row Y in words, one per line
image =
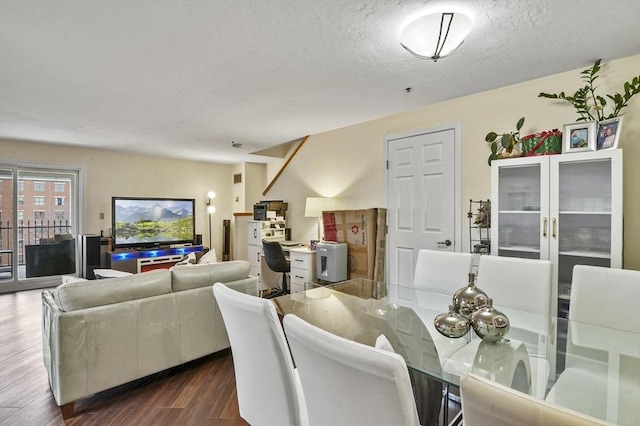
column 566, row 208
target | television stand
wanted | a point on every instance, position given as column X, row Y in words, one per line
column 136, row 261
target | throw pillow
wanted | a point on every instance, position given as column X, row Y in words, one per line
column 189, row 259
column 209, row 257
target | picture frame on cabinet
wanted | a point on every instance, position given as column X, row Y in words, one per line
column 609, row 133
column 580, row 136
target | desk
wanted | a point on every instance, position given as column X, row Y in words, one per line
column 605, row 359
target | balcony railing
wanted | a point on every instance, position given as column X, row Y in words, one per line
column 28, row 233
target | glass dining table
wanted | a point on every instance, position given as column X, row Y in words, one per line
column 598, row 374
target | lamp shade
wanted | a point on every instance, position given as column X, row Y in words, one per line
column 314, row 206
column 435, row 36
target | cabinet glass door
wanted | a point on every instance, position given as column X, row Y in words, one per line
column 582, row 225
column 520, row 203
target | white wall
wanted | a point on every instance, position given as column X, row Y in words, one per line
column 110, row 173
column 348, row 162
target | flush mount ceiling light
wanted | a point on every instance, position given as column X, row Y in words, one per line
column 435, row 36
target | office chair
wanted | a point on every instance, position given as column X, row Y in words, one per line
column 276, row 261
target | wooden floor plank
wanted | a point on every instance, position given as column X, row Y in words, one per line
column 182, row 395
column 200, row 392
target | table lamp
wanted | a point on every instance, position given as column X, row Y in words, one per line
column 314, row 207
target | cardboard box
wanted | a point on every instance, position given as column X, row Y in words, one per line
column 365, row 244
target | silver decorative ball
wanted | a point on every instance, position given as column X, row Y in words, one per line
column 452, row 324
column 490, row 324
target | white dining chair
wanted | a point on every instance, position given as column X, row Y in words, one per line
column 522, row 289
column 268, row 387
column 441, row 273
column 348, row 383
column 437, row 276
column 605, row 306
column 485, row 402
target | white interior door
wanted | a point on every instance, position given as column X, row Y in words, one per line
column 422, row 198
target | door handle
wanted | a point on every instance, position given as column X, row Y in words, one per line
column 544, row 227
column 445, row 243
column 553, row 227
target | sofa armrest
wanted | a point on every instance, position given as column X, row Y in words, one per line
column 64, row 350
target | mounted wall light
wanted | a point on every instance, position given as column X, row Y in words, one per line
column 436, row 35
column 211, row 210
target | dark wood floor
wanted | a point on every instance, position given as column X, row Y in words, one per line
column 202, row 392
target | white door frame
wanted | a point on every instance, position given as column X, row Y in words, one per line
column 456, row 127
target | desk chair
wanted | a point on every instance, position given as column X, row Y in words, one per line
column 268, row 386
column 488, row 403
column 276, row 261
column 348, row 383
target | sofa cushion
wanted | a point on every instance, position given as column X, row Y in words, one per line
column 87, row 294
column 200, row 275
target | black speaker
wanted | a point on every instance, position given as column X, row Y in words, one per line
column 198, row 241
column 90, row 255
column 226, row 240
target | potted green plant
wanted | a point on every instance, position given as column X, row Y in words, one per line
column 589, row 105
column 507, row 146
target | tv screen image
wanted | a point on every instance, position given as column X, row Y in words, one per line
column 152, row 222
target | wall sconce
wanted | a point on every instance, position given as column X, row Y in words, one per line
column 211, row 210
column 314, row 206
column 436, row 35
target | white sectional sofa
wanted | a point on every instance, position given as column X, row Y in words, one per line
column 103, row 333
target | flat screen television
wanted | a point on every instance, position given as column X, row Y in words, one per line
column 139, row 222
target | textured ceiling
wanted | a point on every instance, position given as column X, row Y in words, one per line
column 185, row 78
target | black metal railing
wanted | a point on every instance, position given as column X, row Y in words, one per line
column 28, row 233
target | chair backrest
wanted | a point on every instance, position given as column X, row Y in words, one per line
column 265, row 376
column 348, row 383
column 485, row 402
column 599, row 295
column 274, row 256
column 441, row 274
column 512, row 282
column 609, row 299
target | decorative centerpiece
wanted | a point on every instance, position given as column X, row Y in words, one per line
column 452, row 324
column 472, row 308
column 469, row 298
column 490, row 324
